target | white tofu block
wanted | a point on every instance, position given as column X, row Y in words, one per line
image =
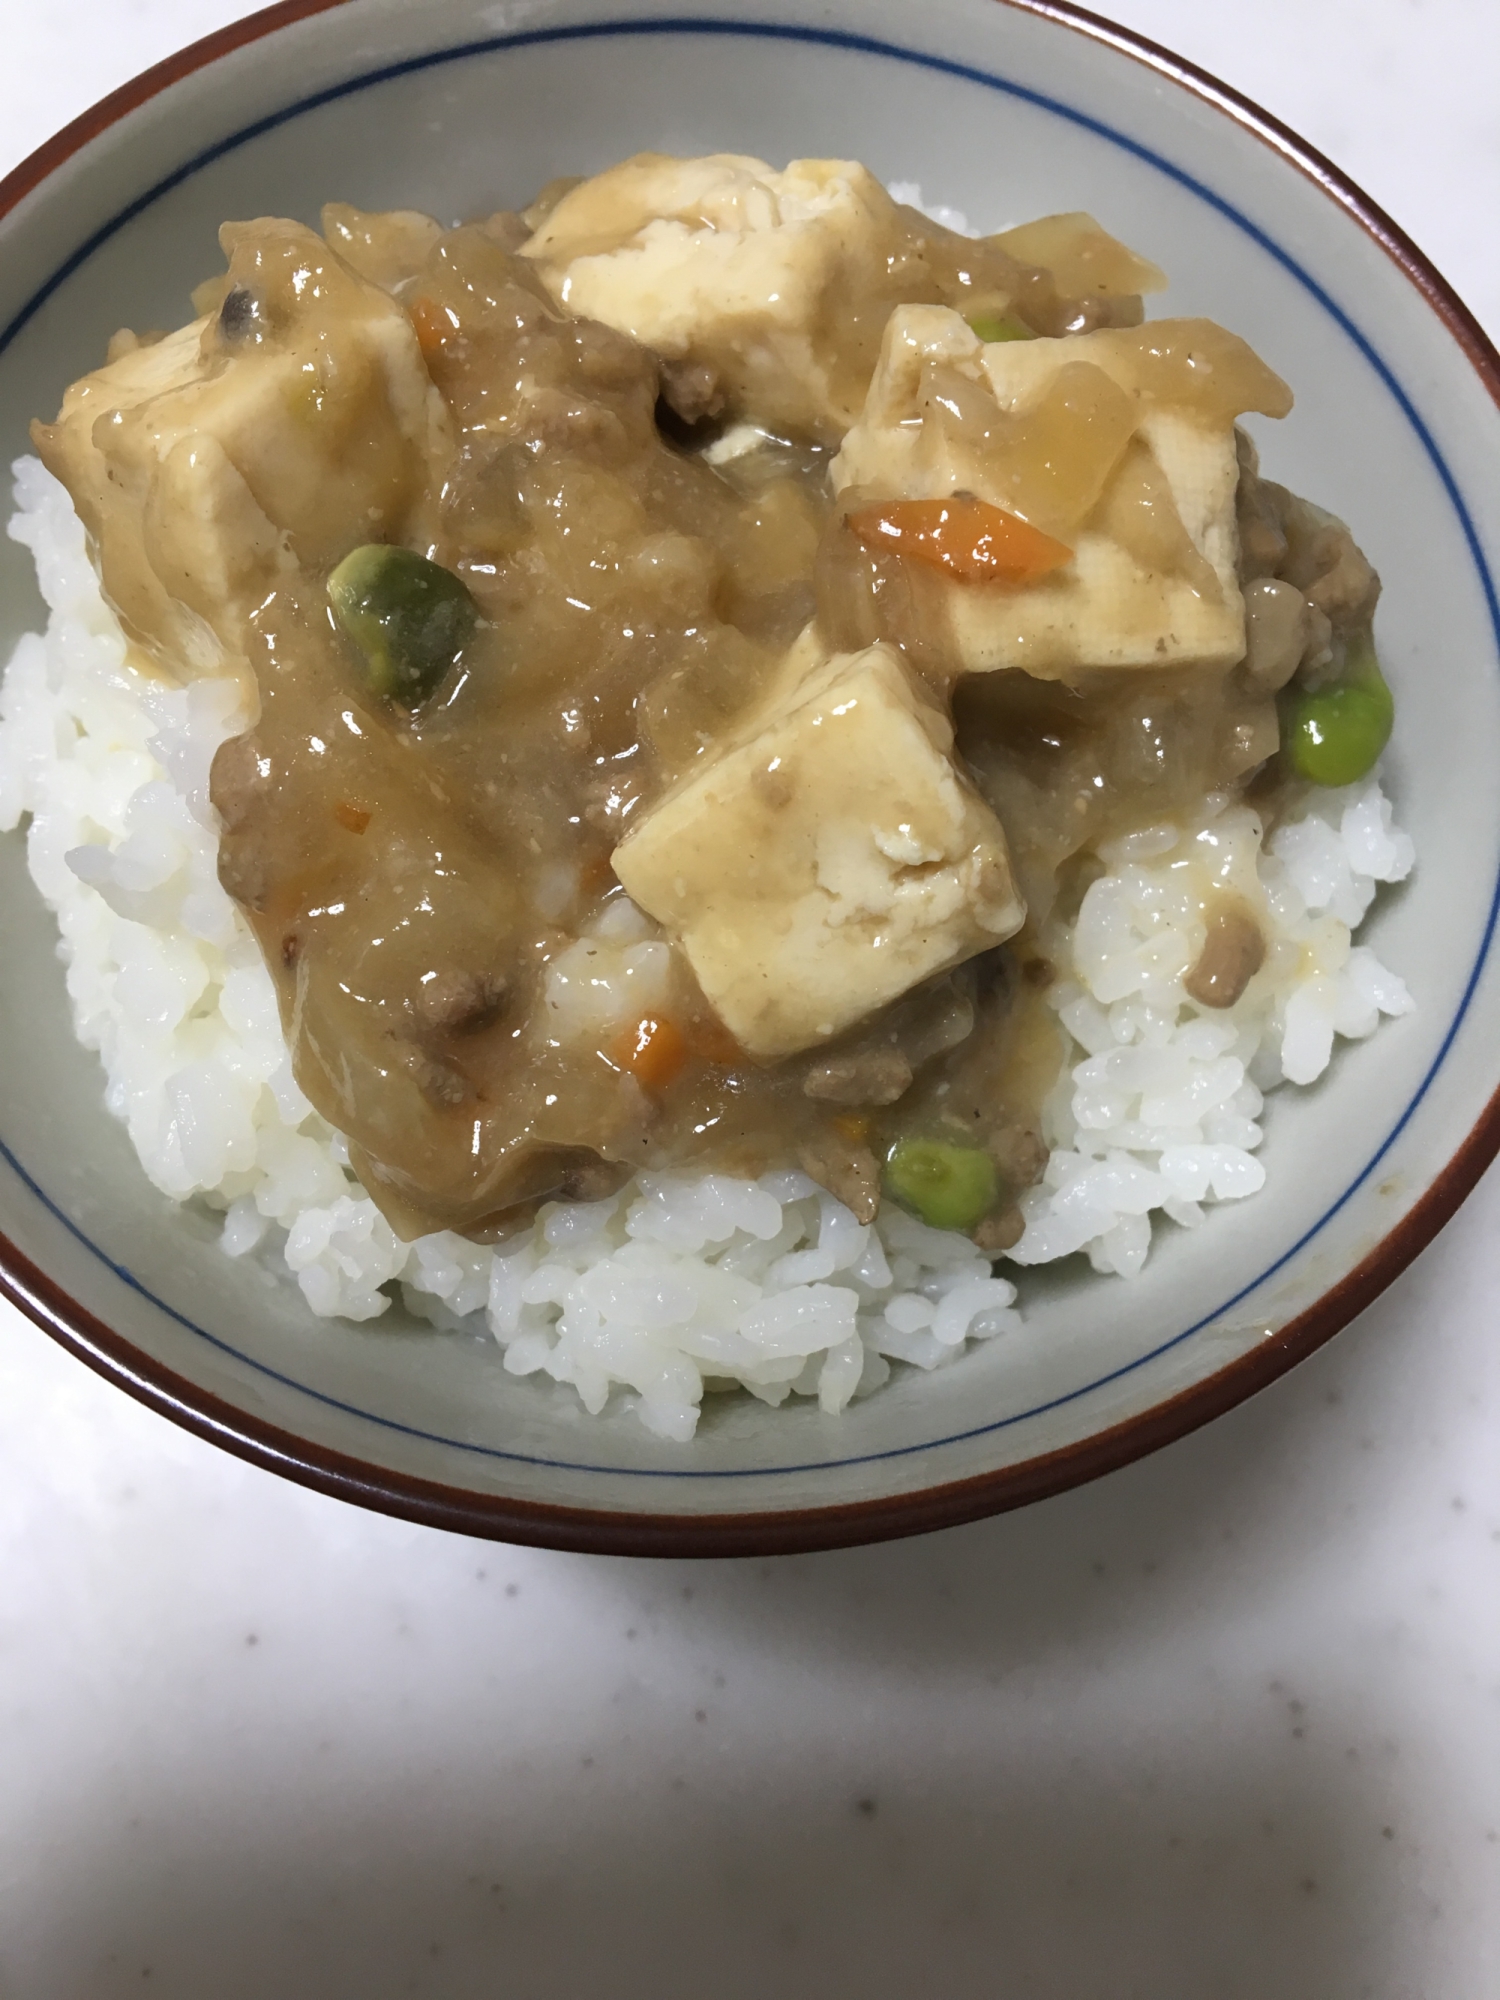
column 826, row 861
column 725, row 262
column 204, row 475
column 1108, row 607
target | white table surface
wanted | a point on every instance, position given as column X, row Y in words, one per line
column 1224, row 1726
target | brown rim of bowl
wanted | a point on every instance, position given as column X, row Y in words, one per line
column 792, row 1530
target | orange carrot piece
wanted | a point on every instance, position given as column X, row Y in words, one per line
column 853, row 1126
column 433, row 326
column 654, row 1051
column 967, row 539
column 351, row 816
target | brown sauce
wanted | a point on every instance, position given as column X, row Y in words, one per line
column 634, row 600
column 416, row 879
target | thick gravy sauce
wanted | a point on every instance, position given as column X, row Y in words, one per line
column 456, row 965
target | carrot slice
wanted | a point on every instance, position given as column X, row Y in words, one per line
column 853, row 1126
column 967, row 539
column 654, row 1051
column 433, row 325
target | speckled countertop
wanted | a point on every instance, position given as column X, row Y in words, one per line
column 1225, row 1726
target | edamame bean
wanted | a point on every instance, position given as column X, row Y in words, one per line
column 1334, row 735
column 950, row 1187
column 409, row 617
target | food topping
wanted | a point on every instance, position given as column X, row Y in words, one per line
column 1084, row 258
column 631, row 784
column 1118, row 443
column 410, row 618
column 992, row 326
column 830, row 859
column 967, row 539
column 1233, row 952
column 949, row 1187
column 767, row 293
column 212, row 466
column 1334, row 732
column 654, row 1052
column 1276, row 631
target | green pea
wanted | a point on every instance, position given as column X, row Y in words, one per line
column 409, row 617
column 1334, row 735
column 992, row 326
column 950, row 1187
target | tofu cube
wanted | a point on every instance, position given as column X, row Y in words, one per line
column 826, row 861
column 724, row 264
column 1153, row 579
column 206, row 469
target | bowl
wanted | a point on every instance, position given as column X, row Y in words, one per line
column 1004, row 109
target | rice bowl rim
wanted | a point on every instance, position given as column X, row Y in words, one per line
column 776, row 1531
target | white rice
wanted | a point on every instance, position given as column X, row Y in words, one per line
column 1160, row 1111
column 679, row 1283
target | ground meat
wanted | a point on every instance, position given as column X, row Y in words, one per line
column 849, row 1171
column 1286, row 537
column 553, row 420
column 878, row 1068
column 1020, row 1154
column 1345, row 588
column 440, row 1083
column 459, row 1002
column 1261, row 534
column 584, row 1176
column 865, row 1076
column 1232, row 954
column 244, row 873
column 507, row 228
column 1000, row 1231
column 236, row 780
column 1276, row 632
column 691, row 390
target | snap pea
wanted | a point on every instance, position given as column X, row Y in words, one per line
column 1334, row 735
column 950, row 1187
column 992, row 326
column 409, row 618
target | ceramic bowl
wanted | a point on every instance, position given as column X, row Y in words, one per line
column 1005, row 110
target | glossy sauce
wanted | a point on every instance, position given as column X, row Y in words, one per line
column 417, row 880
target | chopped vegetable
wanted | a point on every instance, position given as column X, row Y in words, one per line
column 690, row 738
column 654, row 1051
column 949, row 1187
column 993, row 326
column 1334, row 735
column 409, row 617
column 966, row 538
column 1082, row 257
column 433, row 327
